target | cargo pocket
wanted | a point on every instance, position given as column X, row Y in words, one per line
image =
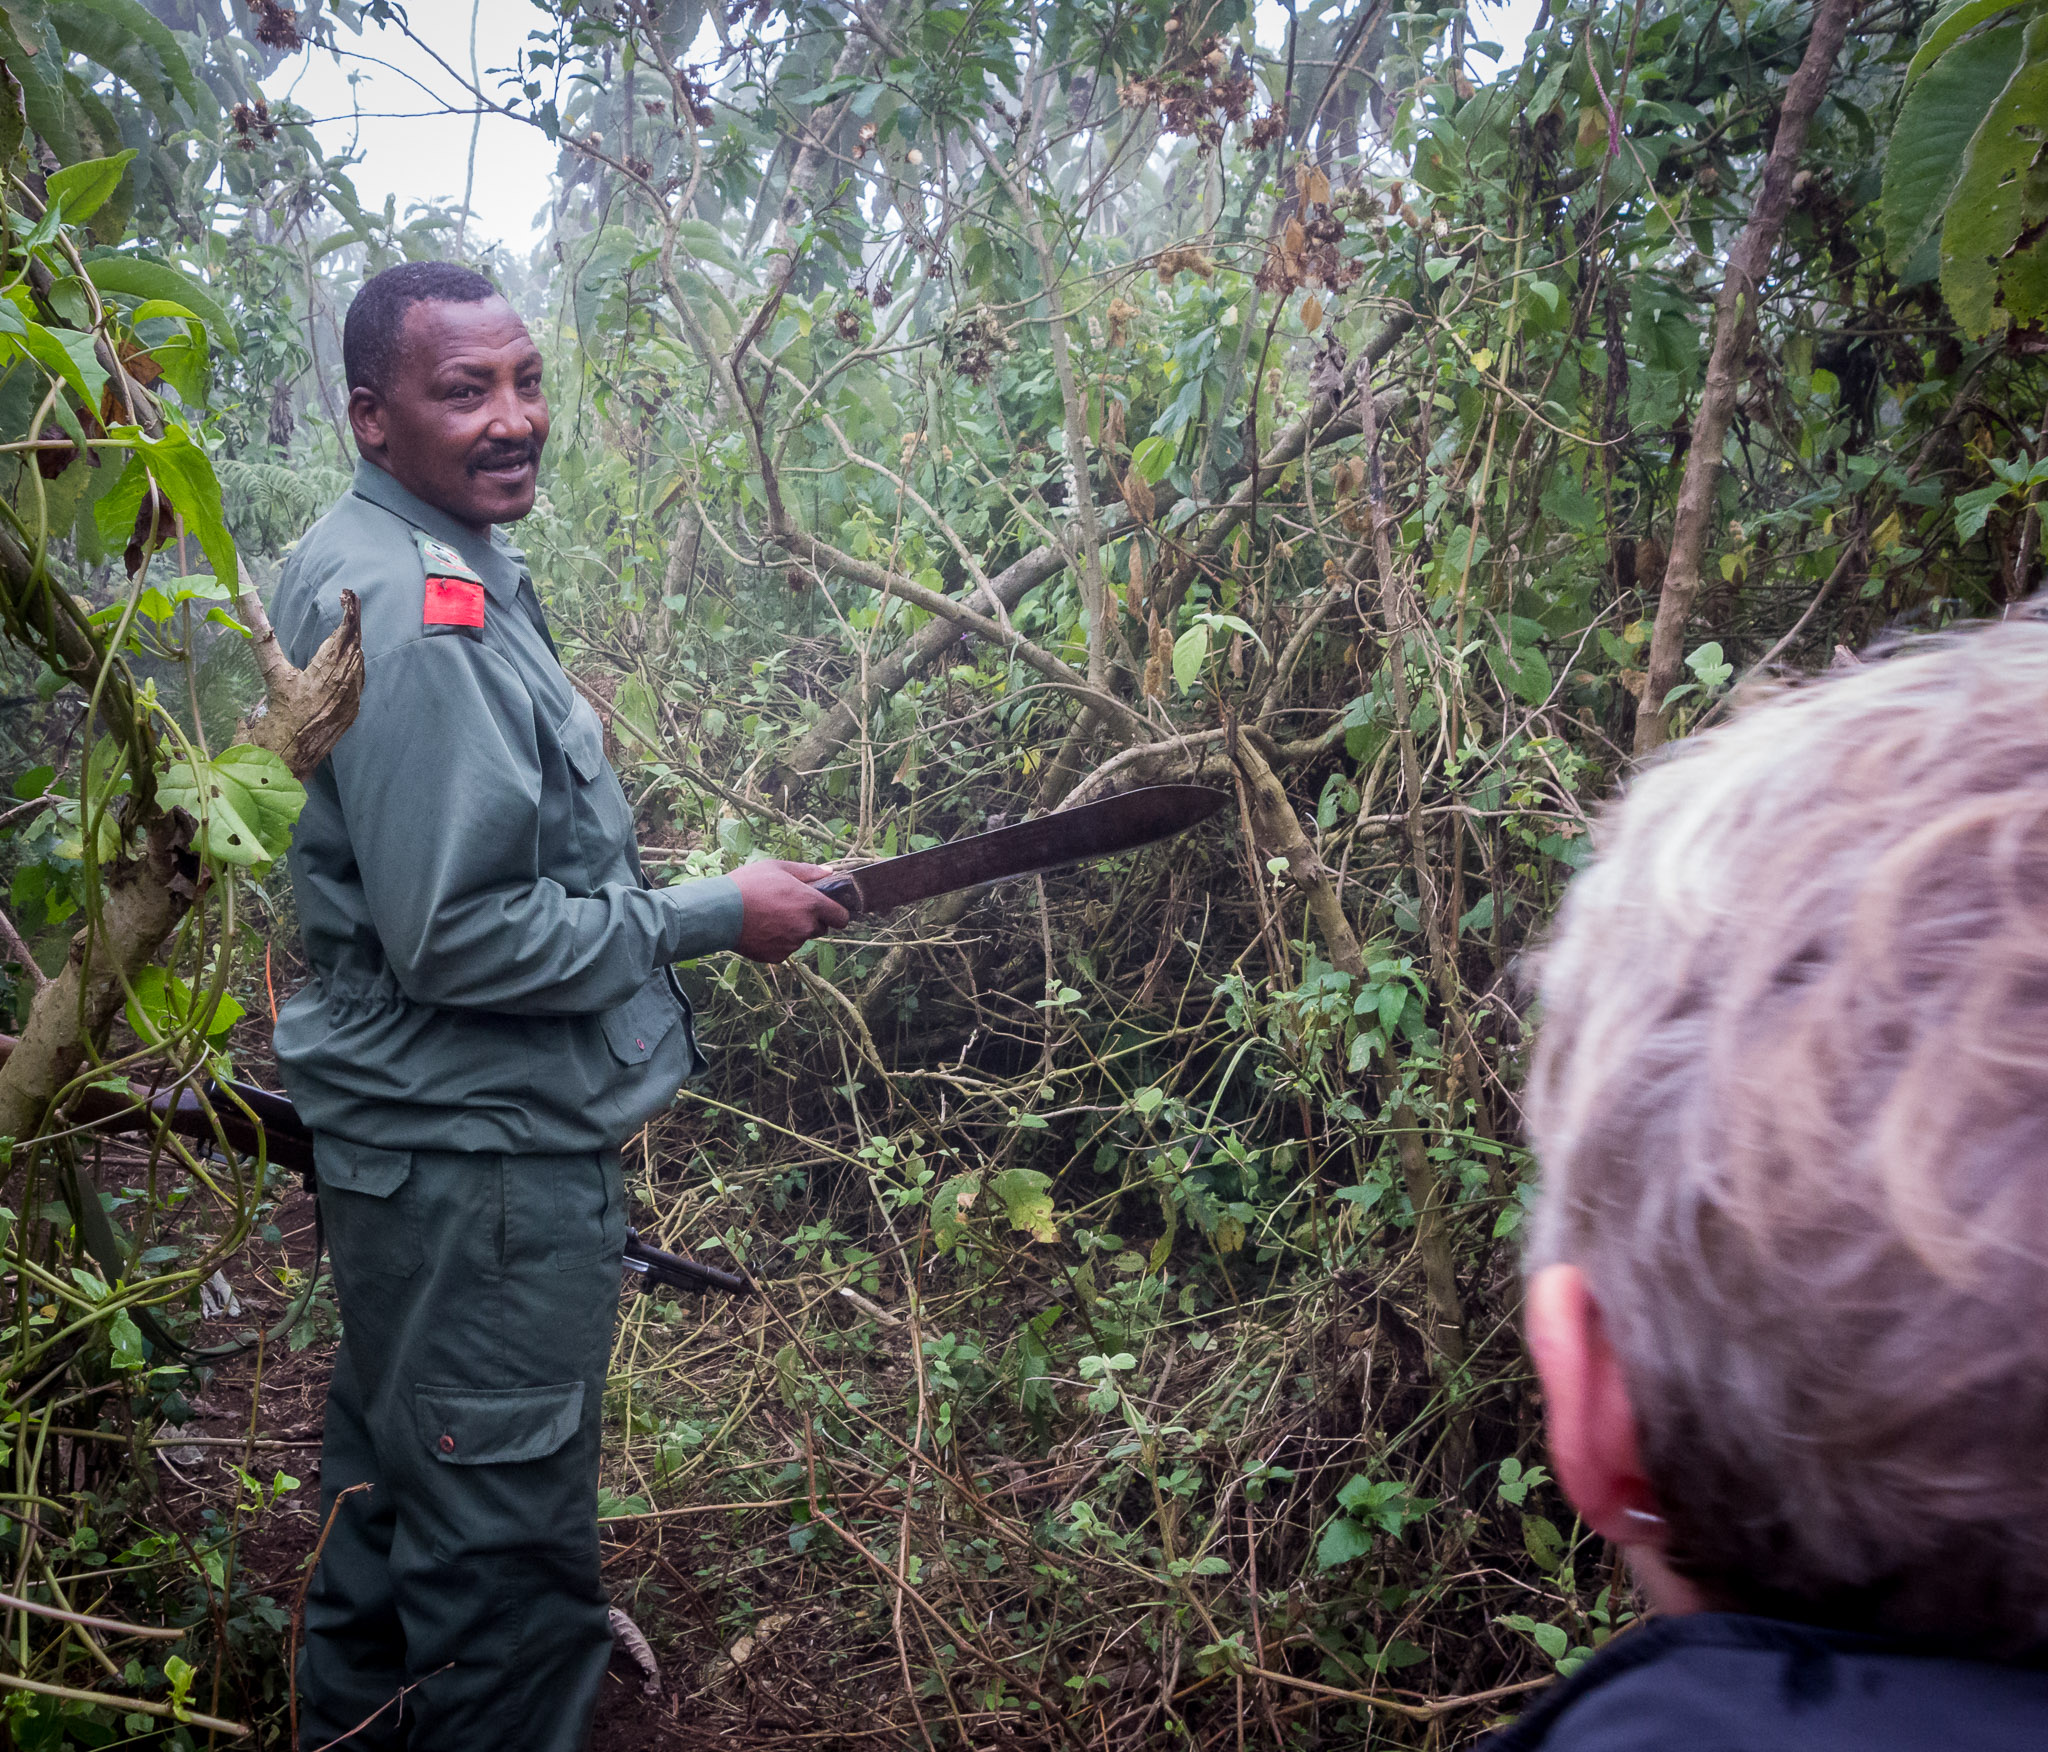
column 497, row 1426
column 366, row 1205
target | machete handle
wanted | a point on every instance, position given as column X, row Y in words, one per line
column 844, row 889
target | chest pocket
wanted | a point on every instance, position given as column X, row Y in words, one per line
column 604, row 825
column 642, row 1022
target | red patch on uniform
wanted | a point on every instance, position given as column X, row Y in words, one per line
column 454, row 602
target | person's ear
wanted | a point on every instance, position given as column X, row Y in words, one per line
column 1592, row 1425
column 366, row 419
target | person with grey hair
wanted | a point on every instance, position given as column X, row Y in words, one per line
column 1789, row 1269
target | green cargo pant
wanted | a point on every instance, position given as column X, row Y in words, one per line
column 458, row 1605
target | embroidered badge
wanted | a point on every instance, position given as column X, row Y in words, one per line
column 455, row 594
column 442, row 561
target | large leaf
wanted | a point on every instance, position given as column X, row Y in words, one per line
column 245, row 798
column 1988, row 209
column 1947, row 25
column 1343, row 1541
column 66, row 354
column 86, row 188
column 123, row 37
column 1026, row 1198
column 185, row 473
column 138, row 277
column 1940, row 117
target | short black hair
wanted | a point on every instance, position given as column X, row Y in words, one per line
column 376, row 320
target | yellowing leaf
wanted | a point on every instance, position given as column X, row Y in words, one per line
column 1026, row 1199
column 1312, row 313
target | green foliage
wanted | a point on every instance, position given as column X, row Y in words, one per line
column 1140, row 1264
column 1967, row 158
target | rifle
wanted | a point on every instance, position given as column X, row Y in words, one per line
column 257, row 1121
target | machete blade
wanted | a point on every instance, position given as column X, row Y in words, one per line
column 1050, row 842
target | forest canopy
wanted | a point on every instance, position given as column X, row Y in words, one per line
column 964, row 411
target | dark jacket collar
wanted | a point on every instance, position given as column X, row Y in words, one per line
column 1731, row 1680
column 493, row 559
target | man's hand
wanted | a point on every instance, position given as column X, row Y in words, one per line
column 783, row 911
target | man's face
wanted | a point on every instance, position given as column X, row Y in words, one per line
column 462, row 421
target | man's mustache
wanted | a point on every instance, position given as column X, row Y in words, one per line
column 505, row 456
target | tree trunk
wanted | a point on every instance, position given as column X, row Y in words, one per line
column 304, row 715
column 1734, row 325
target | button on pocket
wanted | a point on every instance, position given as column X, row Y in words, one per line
column 367, row 1205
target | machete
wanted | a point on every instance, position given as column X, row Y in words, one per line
column 1051, row 842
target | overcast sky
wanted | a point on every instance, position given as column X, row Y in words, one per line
column 413, row 148
column 410, row 145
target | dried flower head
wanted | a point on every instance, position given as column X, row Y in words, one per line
column 277, row 27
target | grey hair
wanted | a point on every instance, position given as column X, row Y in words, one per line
column 1790, row 1098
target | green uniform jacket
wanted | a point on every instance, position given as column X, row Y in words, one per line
column 490, row 967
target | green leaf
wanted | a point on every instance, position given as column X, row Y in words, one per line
column 1343, row 1541
column 66, row 354
column 1936, row 123
column 1153, row 457
column 245, row 798
column 1522, row 672
column 161, row 1005
column 1542, row 1541
column 144, row 279
column 1945, row 27
column 1973, row 509
column 86, row 188
column 1026, row 1198
column 1190, row 652
column 1365, row 1195
column 184, row 472
column 1709, row 665
column 126, row 1339
column 1988, row 208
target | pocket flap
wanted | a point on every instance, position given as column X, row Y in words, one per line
column 642, row 1022
column 582, row 738
column 357, row 1167
column 497, row 1426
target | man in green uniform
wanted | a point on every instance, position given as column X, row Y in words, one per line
column 491, row 1013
